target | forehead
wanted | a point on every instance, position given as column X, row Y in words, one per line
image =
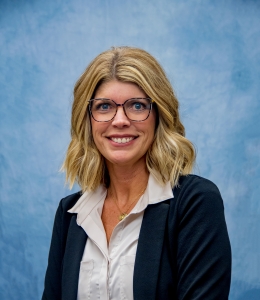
column 118, row 90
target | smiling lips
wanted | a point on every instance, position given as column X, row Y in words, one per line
column 122, row 140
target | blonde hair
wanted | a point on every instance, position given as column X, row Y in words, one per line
column 170, row 154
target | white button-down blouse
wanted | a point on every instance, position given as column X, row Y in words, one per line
column 106, row 271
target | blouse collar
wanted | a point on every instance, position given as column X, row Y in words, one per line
column 154, row 193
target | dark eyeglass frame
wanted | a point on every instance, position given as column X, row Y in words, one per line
column 138, row 98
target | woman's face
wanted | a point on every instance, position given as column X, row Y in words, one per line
column 121, row 141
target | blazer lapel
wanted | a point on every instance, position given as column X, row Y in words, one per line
column 148, row 255
column 75, row 245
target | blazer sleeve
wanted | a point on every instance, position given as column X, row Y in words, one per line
column 53, row 277
column 52, row 284
column 203, row 247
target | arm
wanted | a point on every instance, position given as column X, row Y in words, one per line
column 52, row 284
column 203, row 254
column 53, row 277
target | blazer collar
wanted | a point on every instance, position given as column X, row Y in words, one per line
column 148, row 255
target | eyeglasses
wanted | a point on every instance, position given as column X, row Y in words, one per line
column 136, row 109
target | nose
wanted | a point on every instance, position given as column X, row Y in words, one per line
column 120, row 119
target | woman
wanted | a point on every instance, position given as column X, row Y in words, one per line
column 142, row 227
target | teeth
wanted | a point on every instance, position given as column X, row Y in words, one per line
column 123, row 140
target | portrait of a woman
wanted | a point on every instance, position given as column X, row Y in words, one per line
column 142, row 226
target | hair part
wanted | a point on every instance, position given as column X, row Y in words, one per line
column 170, row 154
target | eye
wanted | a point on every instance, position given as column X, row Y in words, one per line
column 138, row 106
column 102, row 105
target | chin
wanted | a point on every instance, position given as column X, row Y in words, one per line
column 124, row 160
column 119, row 161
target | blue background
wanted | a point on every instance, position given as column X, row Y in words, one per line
column 211, row 53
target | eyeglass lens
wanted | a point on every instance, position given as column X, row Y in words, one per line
column 136, row 109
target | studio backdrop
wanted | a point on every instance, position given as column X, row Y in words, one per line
column 210, row 51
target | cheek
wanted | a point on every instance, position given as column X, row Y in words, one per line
column 94, row 131
column 153, row 123
column 98, row 130
column 149, row 130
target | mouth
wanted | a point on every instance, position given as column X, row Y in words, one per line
column 123, row 140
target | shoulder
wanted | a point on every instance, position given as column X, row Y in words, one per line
column 197, row 193
column 196, row 183
column 69, row 201
column 62, row 217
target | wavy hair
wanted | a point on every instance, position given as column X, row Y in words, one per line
column 170, row 154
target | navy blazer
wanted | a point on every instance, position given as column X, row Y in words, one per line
column 183, row 249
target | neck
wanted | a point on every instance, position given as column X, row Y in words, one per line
column 127, row 183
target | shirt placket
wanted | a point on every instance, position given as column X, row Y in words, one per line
column 113, row 260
